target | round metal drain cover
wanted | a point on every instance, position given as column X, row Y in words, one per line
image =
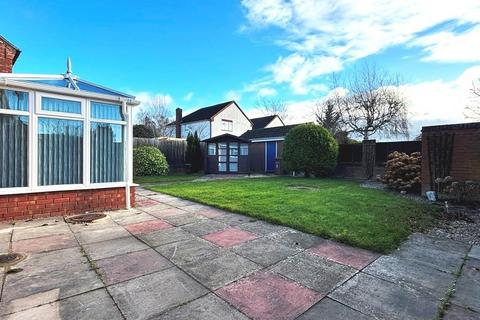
column 85, row 218
column 8, row 259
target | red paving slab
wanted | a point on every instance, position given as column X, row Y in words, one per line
column 147, row 226
column 210, row 213
column 145, row 202
column 268, row 296
column 131, row 265
column 230, row 237
column 340, row 253
column 168, row 212
column 43, row 244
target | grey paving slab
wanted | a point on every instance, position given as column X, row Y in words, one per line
column 189, row 251
column 205, row 226
column 219, row 271
column 314, row 272
column 209, row 307
column 40, row 231
column 263, row 228
column 148, row 296
column 328, row 309
column 101, row 224
column 265, row 251
column 467, row 293
column 195, row 208
column 91, row 305
column 446, row 245
column 110, row 248
column 156, row 208
column 165, row 236
column 233, row 219
column 297, row 239
column 458, row 313
column 413, row 274
column 180, row 203
column 474, row 252
column 102, row 234
column 133, row 217
column 182, row 219
column 31, row 223
column 4, row 241
column 385, row 300
column 53, row 260
column 162, row 197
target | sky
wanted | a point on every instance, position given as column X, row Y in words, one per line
column 197, row 53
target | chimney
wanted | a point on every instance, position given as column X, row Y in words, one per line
column 8, row 55
column 178, row 122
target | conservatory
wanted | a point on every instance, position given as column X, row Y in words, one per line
column 65, row 146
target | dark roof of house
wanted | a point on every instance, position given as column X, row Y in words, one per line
column 17, row 51
column 262, row 122
column 226, row 137
column 205, row 113
column 264, row 133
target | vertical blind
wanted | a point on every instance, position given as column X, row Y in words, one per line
column 60, row 151
column 60, row 105
column 106, row 111
column 13, row 100
column 106, row 153
column 13, row 151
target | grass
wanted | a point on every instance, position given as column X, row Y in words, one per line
column 171, row 178
column 336, row 209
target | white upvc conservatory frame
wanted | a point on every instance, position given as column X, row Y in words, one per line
column 35, row 94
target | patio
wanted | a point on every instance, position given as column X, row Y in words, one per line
column 175, row 259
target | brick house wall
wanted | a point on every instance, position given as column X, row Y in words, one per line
column 465, row 163
column 8, row 55
column 60, row 203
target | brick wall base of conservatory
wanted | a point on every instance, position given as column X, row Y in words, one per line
column 61, row 203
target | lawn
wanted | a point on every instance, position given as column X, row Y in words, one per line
column 171, row 178
column 336, row 209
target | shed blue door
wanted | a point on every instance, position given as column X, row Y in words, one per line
column 271, row 155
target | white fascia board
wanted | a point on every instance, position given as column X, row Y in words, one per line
column 268, row 139
column 64, row 187
column 65, row 91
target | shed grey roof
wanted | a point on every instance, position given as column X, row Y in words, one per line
column 265, row 133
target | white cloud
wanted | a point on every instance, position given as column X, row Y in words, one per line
column 324, row 35
column 266, row 92
column 149, row 98
column 188, row 96
column 233, row 95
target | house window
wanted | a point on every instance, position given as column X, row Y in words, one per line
column 227, row 125
column 212, row 149
column 61, row 105
column 106, row 143
column 60, row 151
column 244, row 149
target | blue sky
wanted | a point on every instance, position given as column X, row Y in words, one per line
column 197, row 53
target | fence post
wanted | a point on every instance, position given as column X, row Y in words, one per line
column 368, row 157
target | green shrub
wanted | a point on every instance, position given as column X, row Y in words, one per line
column 310, row 148
column 194, row 156
column 142, row 131
column 403, row 172
column 149, row 161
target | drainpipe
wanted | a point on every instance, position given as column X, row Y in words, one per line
column 126, row 161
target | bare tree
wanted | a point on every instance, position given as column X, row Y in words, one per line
column 155, row 115
column 370, row 102
column 473, row 111
column 273, row 106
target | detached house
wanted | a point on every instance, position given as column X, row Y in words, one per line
column 65, row 143
column 235, row 143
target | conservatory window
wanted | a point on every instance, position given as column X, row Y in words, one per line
column 61, row 105
column 13, row 100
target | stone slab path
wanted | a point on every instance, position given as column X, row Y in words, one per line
column 175, row 259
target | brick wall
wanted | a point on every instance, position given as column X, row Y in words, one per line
column 59, row 203
column 7, row 56
column 465, row 163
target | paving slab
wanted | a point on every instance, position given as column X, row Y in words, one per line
column 130, row 265
column 148, row 296
column 4, row 242
column 262, row 228
column 297, row 239
column 218, row 271
column 445, row 245
column 385, row 300
column 474, row 252
column 234, row 219
column 412, row 274
column 328, row 309
column 265, row 251
column 211, row 212
column 165, row 236
column 132, row 217
column 31, row 223
column 340, row 253
column 189, row 251
column 145, row 203
column 467, row 289
column 43, row 244
column 167, row 212
column 101, row 224
column 183, row 219
column 195, row 208
column 95, row 304
column 314, row 272
column 40, row 231
column 229, row 237
column 115, row 247
column 269, row 296
column 205, row 226
column 147, row 226
column 180, row 203
column 162, row 197
column 156, row 208
column 458, row 313
column 97, row 235
column 53, row 260
column 209, row 307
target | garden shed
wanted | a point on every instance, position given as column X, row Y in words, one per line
column 65, row 145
